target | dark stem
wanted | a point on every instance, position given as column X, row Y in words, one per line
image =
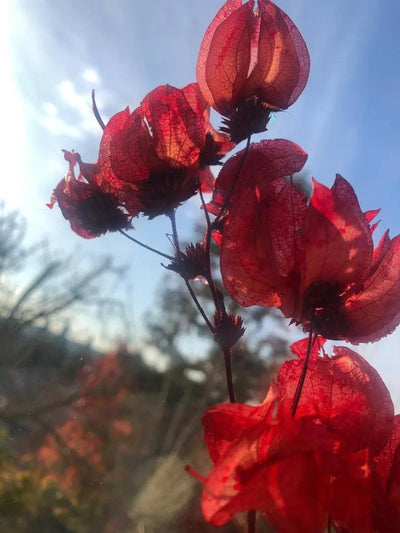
column 206, row 213
column 228, row 372
column 251, row 522
column 96, row 112
column 210, row 281
column 200, row 309
column 169, row 257
column 300, row 384
column 175, row 238
column 219, row 305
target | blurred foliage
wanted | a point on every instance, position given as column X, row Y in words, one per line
column 94, row 442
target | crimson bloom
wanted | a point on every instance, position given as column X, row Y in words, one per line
column 251, row 61
column 315, row 262
column 302, row 472
column 90, row 210
column 157, row 157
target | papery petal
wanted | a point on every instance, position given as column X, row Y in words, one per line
column 288, row 484
column 375, row 311
column 383, row 461
column 393, row 493
column 283, row 65
column 345, row 395
column 380, row 251
column 224, row 56
column 247, row 54
column 225, row 423
column 299, row 348
column 264, row 162
column 200, row 106
column 263, row 227
column 297, row 494
column 207, row 180
column 371, row 214
column 261, row 244
column 114, row 125
column 339, row 246
column 291, row 492
column 196, row 100
column 176, row 128
column 350, row 503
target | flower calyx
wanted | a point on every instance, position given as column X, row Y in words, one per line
column 192, row 264
column 228, row 329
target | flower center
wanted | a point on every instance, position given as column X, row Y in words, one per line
column 100, row 213
column 165, row 190
column 325, row 300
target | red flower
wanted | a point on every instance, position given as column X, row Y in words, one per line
column 261, row 464
column 249, row 59
column 298, row 472
column 316, row 262
column 157, row 157
column 90, row 210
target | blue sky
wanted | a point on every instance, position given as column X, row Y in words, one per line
column 54, row 53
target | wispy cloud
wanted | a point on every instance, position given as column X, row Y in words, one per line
column 71, row 115
column 331, row 91
column 91, row 75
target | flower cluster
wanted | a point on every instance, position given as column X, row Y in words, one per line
column 336, row 461
column 323, row 449
column 150, row 161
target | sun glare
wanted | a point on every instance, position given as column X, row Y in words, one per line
column 13, row 136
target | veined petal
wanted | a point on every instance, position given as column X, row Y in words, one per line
column 256, row 261
column 264, row 162
column 224, row 57
column 283, row 64
column 375, row 311
column 177, row 130
column 345, row 395
column 338, row 244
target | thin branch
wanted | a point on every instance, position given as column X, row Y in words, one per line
column 199, row 307
column 178, row 256
column 26, row 411
column 228, row 371
column 206, row 213
column 96, row 112
column 154, row 250
column 36, row 283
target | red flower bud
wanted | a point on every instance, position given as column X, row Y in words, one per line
column 157, row 157
column 90, row 211
column 247, row 54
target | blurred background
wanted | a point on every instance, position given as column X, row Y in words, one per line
column 105, row 367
